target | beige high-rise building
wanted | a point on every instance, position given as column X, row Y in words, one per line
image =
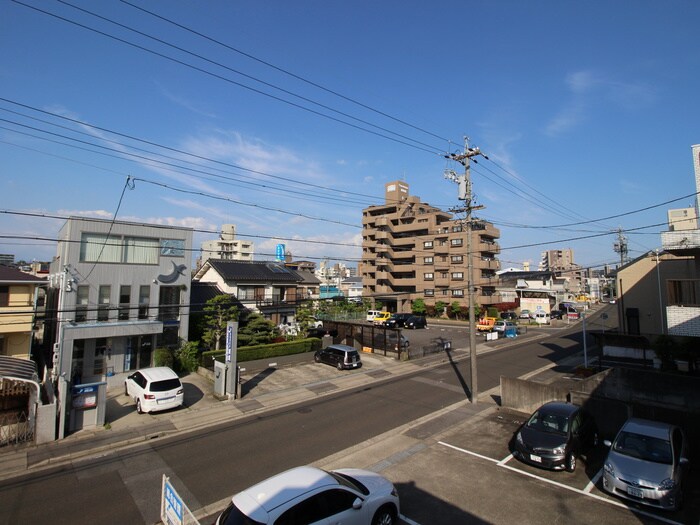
column 413, row 250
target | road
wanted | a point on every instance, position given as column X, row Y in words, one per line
column 210, row 465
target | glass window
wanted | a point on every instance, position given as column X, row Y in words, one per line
column 103, row 302
column 124, row 302
column 428, row 244
column 428, row 260
column 457, row 275
column 428, row 276
column 457, row 293
column 169, row 303
column 96, row 247
column 429, row 292
column 456, row 242
column 81, row 303
column 141, row 250
column 98, row 364
column 457, row 259
column 144, row 300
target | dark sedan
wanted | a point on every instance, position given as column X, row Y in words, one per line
column 555, row 436
column 398, row 320
column 416, row 321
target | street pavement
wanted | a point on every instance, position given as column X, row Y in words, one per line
column 267, row 388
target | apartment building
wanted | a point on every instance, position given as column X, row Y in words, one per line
column 227, row 247
column 18, row 301
column 562, row 263
column 413, row 250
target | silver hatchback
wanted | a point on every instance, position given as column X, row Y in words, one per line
column 646, row 463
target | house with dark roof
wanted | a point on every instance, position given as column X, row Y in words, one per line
column 267, row 287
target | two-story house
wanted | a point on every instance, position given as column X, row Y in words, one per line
column 18, row 298
column 267, row 287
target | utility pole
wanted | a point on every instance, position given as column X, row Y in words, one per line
column 465, row 194
column 621, row 246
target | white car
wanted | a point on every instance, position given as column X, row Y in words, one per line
column 154, row 389
column 308, row 495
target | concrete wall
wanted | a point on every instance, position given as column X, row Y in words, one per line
column 527, row 396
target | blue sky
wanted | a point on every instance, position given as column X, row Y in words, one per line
column 586, row 111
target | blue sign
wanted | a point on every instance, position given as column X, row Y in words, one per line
column 279, row 252
column 173, row 505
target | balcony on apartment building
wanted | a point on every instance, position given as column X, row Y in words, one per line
column 488, row 246
column 681, row 242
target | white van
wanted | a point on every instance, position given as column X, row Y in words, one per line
column 371, row 314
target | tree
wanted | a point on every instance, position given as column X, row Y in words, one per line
column 256, row 330
column 218, row 311
column 440, row 308
column 456, row 309
column 418, row 307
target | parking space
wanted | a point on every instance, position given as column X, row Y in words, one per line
column 473, row 471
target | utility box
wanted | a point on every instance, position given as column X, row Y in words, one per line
column 220, row 371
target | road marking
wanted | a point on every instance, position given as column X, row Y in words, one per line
column 408, row 520
column 562, row 485
column 505, row 460
column 594, row 481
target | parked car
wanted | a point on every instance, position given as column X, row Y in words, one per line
column 154, row 389
column 502, row 326
column 508, row 316
column 390, row 341
column 647, row 463
column 416, row 321
column 541, row 317
column 556, row 314
column 524, row 314
column 398, row 320
column 555, row 436
column 381, row 318
column 311, row 495
column 371, row 314
column 341, row 356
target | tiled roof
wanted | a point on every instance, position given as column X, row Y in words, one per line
column 307, row 278
column 12, row 275
column 256, row 271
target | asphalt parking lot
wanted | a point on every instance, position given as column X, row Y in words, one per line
column 468, row 475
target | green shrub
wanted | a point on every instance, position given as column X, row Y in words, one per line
column 164, row 357
column 251, row 353
column 188, row 357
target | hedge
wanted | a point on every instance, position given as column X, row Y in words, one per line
column 251, row 353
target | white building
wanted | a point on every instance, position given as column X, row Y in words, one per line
column 227, row 247
column 123, row 289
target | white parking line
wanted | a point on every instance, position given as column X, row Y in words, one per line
column 594, row 481
column 408, row 520
column 561, row 485
column 505, row 460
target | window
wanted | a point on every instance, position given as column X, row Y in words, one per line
column 124, row 302
column 169, row 303
column 103, row 302
column 457, row 259
column 4, row 296
column 428, row 260
column 458, row 275
column 457, row 293
column 457, row 228
column 427, row 244
column 98, row 364
column 97, row 247
column 428, row 276
column 456, row 242
column 246, row 293
column 81, row 304
column 144, row 300
column 682, row 293
column 429, row 292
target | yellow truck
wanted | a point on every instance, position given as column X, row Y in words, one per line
column 485, row 324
